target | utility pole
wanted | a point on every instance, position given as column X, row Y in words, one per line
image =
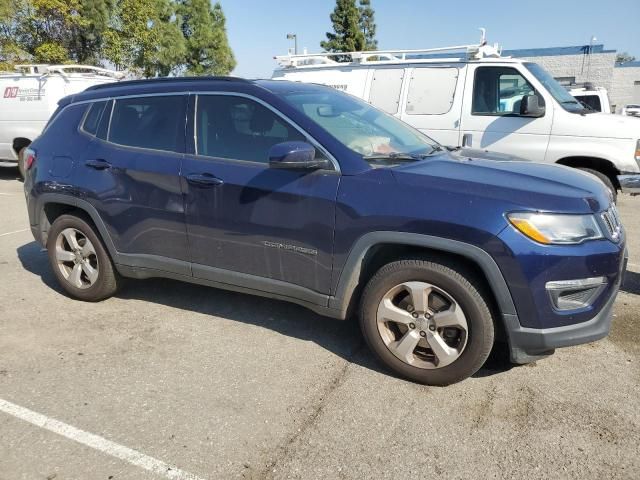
column 593, row 39
column 294, row 37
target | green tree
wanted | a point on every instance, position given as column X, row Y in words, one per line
column 368, row 25
column 204, row 29
column 144, row 37
column 87, row 38
column 346, row 35
column 624, row 57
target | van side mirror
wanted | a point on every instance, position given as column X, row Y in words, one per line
column 295, row 155
column 530, row 106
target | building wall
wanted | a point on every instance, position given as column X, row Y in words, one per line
column 624, row 89
column 600, row 72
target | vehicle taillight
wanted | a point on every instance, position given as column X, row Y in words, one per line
column 29, row 158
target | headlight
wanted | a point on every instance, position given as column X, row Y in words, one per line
column 550, row 228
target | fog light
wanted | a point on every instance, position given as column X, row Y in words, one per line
column 575, row 294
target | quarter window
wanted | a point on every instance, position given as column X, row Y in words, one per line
column 239, row 128
column 149, row 122
column 499, row 91
column 431, row 90
column 92, row 120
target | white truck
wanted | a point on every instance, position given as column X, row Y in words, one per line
column 29, row 96
column 471, row 96
column 593, row 97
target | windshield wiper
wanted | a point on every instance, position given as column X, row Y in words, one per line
column 391, row 156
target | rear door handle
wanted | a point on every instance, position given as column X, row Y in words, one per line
column 98, row 164
column 203, row 180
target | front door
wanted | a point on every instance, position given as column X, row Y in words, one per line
column 247, row 222
column 491, row 118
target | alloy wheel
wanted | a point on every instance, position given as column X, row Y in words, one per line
column 422, row 325
column 76, row 258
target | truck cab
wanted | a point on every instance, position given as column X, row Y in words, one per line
column 472, row 97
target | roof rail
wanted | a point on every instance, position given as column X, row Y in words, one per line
column 166, row 80
column 477, row 51
column 65, row 70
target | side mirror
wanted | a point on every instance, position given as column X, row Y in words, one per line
column 295, row 155
column 530, row 106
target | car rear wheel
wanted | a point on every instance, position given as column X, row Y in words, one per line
column 427, row 321
column 80, row 261
column 604, row 179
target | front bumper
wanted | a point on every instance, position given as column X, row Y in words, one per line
column 529, row 344
column 630, row 183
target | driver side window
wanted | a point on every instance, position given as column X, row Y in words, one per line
column 499, row 91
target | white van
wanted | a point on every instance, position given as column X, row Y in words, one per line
column 28, row 97
column 481, row 100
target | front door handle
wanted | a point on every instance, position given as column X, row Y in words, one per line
column 467, row 140
column 98, row 164
column 203, row 180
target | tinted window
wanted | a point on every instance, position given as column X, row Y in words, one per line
column 239, row 128
column 92, row 119
column 499, row 91
column 592, row 101
column 103, row 126
column 149, row 122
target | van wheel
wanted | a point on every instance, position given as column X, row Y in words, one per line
column 604, row 179
column 427, row 321
column 21, row 162
column 80, row 261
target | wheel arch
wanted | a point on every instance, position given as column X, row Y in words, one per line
column 378, row 248
column 52, row 205
column 19, row 143
column 606, row 167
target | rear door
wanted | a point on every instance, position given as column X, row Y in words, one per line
column 130, row 174
column 386, row 88
column 433, row 104
column 244, row 218
column 491, row 117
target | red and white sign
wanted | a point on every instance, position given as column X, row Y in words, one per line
column 11, row 92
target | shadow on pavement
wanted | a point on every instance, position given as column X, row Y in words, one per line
column 342, row 338
column 9, row 174
column 631, row 283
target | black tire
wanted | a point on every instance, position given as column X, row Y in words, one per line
column 604, row 179
column 21, row 167
column 462, row 286
column 107, row 281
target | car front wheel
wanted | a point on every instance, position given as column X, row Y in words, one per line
column 427, row 321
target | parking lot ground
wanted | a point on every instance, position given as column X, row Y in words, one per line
column 213, row 384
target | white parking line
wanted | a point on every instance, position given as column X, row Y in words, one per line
column 634, row 265
column 15, row 231
column 96, row 442
column 7, row 194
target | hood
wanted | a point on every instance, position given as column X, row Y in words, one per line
column 599, row 125
column 520, row 185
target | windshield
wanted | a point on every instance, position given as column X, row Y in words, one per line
column 556, row 90
column 380, row 138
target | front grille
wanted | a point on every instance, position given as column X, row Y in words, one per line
column 612, row 223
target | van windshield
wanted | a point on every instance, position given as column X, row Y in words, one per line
column 380, row 138
column 557, row 91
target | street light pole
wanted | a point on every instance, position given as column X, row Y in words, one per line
column 294, row 37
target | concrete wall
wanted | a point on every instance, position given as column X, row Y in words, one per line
column 624, row 90
column 600, row 72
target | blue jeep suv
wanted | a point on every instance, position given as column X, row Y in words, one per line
column 302, row 193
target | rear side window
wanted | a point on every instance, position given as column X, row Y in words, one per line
column 431, row 90
column 93, row 117
column 157, row 123
column 385, row 89
column 238, row 128
column 592, row 101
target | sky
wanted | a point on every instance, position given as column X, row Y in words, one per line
column 257, row 29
